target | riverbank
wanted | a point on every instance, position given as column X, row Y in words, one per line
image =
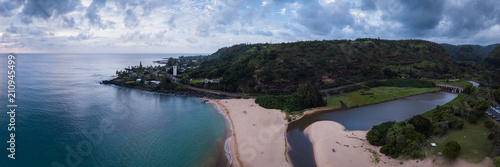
column 375, row 95
column 187, row 92
column 258, row 134
column 352, row 149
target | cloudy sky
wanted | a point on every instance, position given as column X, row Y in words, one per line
column 203, row 26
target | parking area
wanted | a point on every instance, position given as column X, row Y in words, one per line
column 494, row 112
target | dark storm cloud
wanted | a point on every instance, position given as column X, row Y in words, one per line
column 422, row 18
column 130, row 20
column 417, row 17
column 46, row 9
column 320, row 20
column 7, row 7
column 469, row 17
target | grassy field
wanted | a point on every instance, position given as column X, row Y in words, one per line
column 375, row 95
column 460, row 82
column 197, row 80
column 476, row 140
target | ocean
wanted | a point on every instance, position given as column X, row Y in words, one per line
column 64, row 117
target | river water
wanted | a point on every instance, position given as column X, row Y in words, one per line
column 65, row 117
column 361, row 118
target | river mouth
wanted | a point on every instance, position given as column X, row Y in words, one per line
column 362, row 118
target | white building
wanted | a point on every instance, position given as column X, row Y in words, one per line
column 175, row 70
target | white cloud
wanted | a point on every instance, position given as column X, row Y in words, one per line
column 282, row 11
column 205, row 26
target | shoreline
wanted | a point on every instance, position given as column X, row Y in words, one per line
column 187, row 93
column 231, row 136
column 227, row 142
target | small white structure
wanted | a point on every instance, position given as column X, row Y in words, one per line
column 433, row 144
column 138, row 80
column 155, row 82
column 175, row 71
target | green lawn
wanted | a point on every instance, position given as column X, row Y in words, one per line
column 380, row 94
column 197, row 80
column 460, row 82
column 476, row 140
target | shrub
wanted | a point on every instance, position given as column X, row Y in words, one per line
column 489, row 124
column 285, row 103
column 309, row 96
column 376, row 136
column 332, row 92
column 472, row 118
column 352, row 88
column 451, row 150
column 421, row 124
column 455, row 123
column 496, row 161
column 417, row 83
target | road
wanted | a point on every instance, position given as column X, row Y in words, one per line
column 214, row 91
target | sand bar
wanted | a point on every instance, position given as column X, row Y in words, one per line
column 352, row 149
column 258, row 137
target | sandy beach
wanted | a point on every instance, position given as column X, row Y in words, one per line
column 352, row 149
column 258, row 137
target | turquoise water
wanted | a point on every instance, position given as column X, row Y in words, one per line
column 65, row 117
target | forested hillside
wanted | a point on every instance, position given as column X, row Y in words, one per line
column 468, row 52
column 282, row 67
column 491, row 74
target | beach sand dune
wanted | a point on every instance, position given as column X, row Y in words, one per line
column 258, row 137
column 352, row 149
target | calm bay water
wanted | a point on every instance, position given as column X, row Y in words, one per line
column 361, row 118
column 64, row 116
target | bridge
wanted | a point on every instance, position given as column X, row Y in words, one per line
column 451, row 88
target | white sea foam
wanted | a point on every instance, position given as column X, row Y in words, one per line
column 227, row 145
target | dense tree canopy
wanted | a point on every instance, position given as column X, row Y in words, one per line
column 451, row 150
column 282, row 67
column 421, row 124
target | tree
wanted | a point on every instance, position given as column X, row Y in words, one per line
column 496, row 94
column 489, row 124
column 377, row 135
column 496, row 161
column 421, row 124
column 469, row 89
column 472, row 118
column 310, row 96
column 451, row 150
column 388, row 73
column 494, row 136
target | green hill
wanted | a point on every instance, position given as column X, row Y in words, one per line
column 491, row 74
column 468, row 52
column 282, row 67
